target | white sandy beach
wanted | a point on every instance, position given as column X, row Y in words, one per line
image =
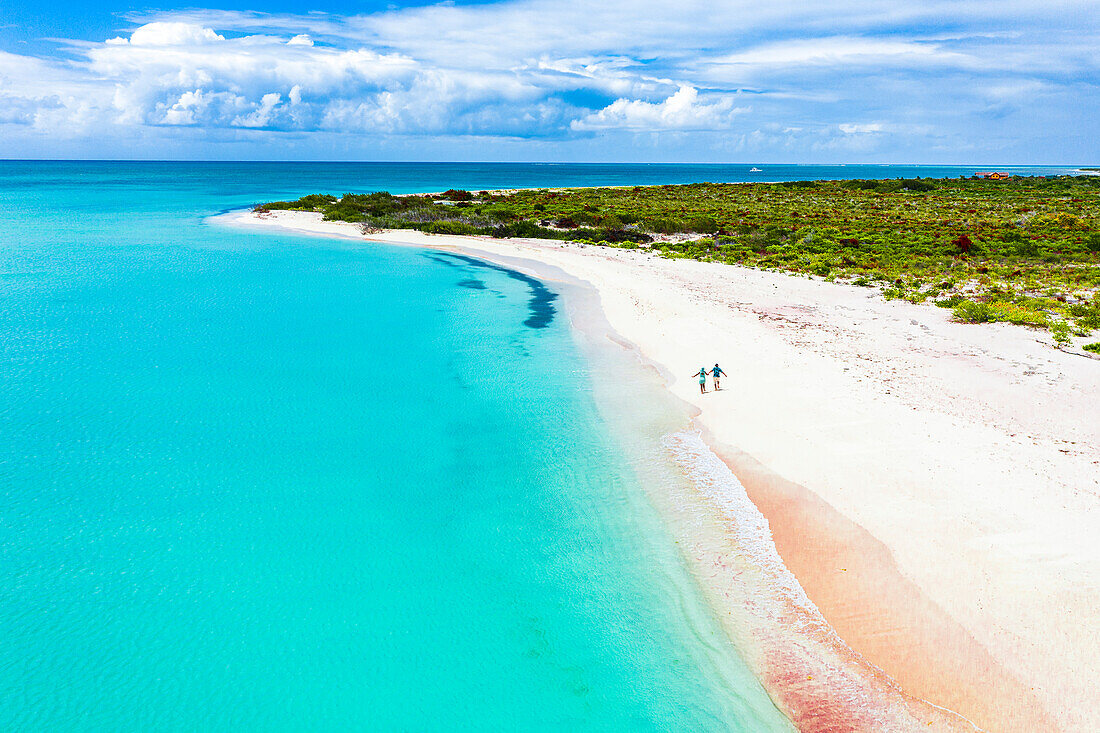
column 933, row 486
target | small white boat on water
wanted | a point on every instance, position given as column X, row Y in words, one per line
column 755, row 170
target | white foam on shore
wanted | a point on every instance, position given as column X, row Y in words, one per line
column 746, row 526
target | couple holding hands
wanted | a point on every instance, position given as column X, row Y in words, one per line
column 714, row 373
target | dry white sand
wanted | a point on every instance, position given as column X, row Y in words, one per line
column 934, row 486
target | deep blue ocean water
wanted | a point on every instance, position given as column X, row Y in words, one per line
column 252, row 481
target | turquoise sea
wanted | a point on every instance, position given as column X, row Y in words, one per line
column 252, row 481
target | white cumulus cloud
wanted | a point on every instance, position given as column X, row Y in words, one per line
column 168, row 34
column 683, row 110
column 261, row 116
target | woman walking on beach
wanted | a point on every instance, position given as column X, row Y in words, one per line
column 717, row 372
column 702, row 374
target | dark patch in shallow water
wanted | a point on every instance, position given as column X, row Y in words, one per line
column 541, row 305
column 471, row 284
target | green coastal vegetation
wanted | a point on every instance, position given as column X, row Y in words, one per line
column 1023, row 250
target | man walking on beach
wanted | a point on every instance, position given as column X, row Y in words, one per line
column 717, row 372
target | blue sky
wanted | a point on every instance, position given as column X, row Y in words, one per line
column 887, row 81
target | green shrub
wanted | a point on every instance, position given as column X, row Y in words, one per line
column 524, row 229
column 1093, row 347
column 1060, row 331
column 894, row 293
column 702, row 225
column 378, row 203
column 612, row 236
column 1087, row 314
column 662, row 225
column 916, row 184
column 311, row 202
column 1026, row 248
column 449, row 227
column 1020, row 315
column 968, row 311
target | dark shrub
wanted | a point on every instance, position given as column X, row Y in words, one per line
column 703, row 225
column 963, row 243
column 306, row 203
column 662, row 225
column 449, row 227
column 1026, row 248
column 624, row 235
column 378, row 203
column 522, row 229
column 916, row 184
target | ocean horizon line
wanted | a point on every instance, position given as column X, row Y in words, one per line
column 711, row 164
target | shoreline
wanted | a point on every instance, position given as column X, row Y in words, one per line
column 822, row 422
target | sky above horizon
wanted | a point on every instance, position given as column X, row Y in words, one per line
column 883, row 81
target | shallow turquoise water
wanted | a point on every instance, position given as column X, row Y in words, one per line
column 261, row 482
